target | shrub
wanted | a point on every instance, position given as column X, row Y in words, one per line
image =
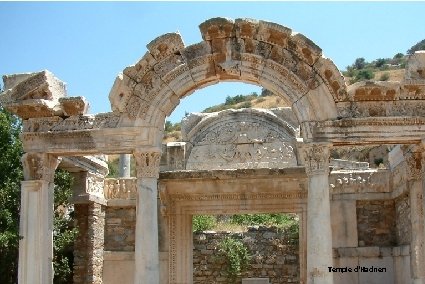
column 203, row 222
column 236, row 255
column 245, row 105
column 384, row 77
column 365, row 74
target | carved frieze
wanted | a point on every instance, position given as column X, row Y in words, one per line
column 39, row 166
column 56, row 124
column 147, row 164
column 120, row 188
column 242, row 143
column 316, row 158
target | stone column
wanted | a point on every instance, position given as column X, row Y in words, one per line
column 88, row 247
column 414, row 171
column 124, row 165
column 146, row 245
column 36, row 219
column 319, row 234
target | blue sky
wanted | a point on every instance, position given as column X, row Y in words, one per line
column 86, row 44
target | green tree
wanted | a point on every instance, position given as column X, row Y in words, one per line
column 360, row 63
column 64, row 232
column 10, row 178
column 418, row 46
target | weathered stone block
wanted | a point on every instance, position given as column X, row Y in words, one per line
column 217, row 28
column 74, row 105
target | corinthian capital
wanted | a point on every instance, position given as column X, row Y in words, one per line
column 315, row 157
column 147, row 164
column 39, row 166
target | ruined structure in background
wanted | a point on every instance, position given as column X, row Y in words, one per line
column 350, row 216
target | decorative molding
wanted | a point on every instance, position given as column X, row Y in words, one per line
column 147, row 164
column 83, row 122
column 120, row 188
column 39, row 166
column 316, row 158
column 95, row 184
column 414, row 166
column 237, row 196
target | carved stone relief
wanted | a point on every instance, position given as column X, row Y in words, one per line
column 95, row 184
column 147, row 164
column 241, row 143
column 39, row 166
column 120, row 188
column 315, row 158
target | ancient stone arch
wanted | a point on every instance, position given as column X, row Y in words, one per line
column 255, row 52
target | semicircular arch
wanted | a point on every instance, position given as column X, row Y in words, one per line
column 244, row 50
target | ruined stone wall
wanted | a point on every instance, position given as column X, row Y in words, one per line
column 88, row 247
column 275, row 255
column 120, row 228
column 403, row 227
column 376, row 223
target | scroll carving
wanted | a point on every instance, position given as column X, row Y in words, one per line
column 39, row 166
column 315, row 158
column 147, row 164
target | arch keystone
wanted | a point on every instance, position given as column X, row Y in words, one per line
column 246, row 28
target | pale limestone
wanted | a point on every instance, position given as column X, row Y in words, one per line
column 249, row 51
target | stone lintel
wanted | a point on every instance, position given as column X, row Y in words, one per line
column 87, row 199
column 294, row 172
column 361, row 131
column 90, row 141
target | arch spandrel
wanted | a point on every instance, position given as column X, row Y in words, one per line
column 244, row 50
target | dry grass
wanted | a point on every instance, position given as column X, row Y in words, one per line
column 269, row 102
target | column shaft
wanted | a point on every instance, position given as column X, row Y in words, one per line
column 319, row 233
column 146, row 244
column 36, row 219
column 36, row 229
column 414, row 163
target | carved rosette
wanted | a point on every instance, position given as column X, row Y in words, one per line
column 315, row 158
column 39, row 166
column 414, row 163
column 147, row 164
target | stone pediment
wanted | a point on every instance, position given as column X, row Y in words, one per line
column 235, row 139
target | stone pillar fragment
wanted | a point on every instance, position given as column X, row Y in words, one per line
column 319, row 234
column 414, row 162
column 36, row 219
column 124, row 165
column 88, row 247
column 146, row 245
